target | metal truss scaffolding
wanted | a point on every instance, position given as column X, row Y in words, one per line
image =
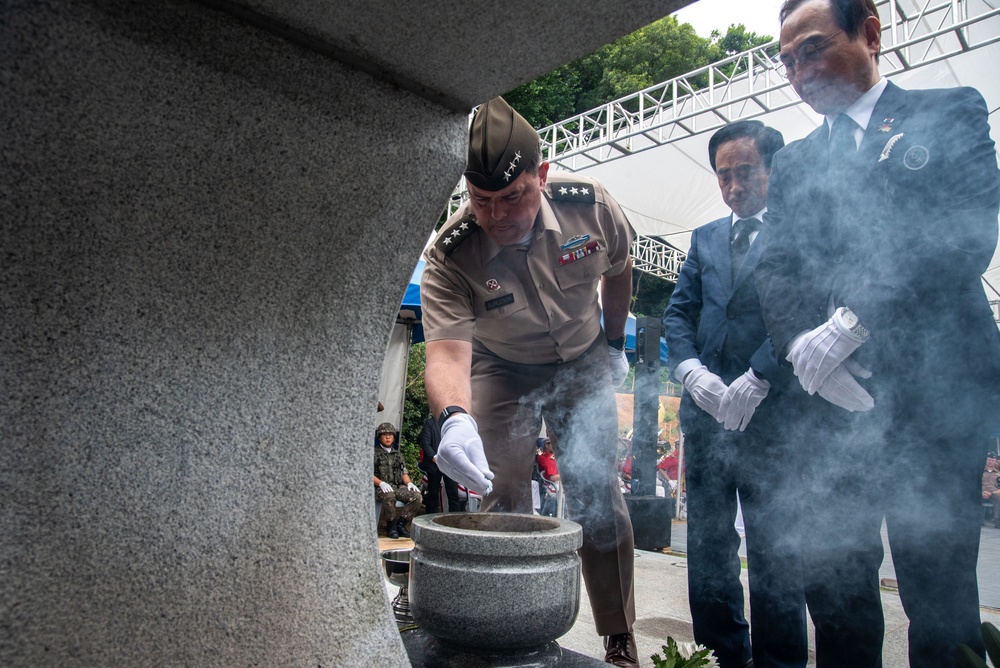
column 747, row 85
column 914, row 33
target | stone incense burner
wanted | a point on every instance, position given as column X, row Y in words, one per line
column 495, row 582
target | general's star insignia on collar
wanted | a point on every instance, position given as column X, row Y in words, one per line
column 449, row 238
column 574, row 192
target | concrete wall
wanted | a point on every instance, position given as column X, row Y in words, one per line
column 205, row 233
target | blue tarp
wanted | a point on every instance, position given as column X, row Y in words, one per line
column 411, row 302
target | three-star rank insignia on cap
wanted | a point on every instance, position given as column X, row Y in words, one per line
column 573, row 192
column 451, row 237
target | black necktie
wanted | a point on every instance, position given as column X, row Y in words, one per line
column 742, row 229
column 843, row 148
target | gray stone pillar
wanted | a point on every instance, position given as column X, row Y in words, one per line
column 205, row 231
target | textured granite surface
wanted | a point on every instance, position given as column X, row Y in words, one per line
column 456, row 53
column 206, row 231
column 495, row 580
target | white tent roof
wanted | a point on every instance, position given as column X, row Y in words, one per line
column 669, row 190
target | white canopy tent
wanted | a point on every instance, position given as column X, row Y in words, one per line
column 669, row 190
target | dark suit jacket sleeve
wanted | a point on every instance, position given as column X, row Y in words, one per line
column 430, row 437
column 683, row 312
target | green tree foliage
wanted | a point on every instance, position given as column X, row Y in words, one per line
column 415, row 409
column 737, row 40
column 658, row 52
column 655, row 53
column 650, row 294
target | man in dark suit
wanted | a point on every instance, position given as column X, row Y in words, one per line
column 720, row 351
column 879, row 226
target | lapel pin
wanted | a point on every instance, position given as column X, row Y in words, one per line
column 493, row 285
column 886, row 125
column 916, row 157
column 889, row 144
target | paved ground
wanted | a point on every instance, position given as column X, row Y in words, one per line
column 662, row 609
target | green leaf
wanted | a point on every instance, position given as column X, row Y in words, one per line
column 969, row 659
column 991, row 637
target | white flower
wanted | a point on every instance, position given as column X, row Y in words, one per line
column 687, row 650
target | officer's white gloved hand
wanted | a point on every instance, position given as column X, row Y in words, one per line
column 842, row 390
column 815, row 354
column 460, row 455
column 413, row 488
column 385, row 487
column 706, row 389
column 741, row 400
column 619, row 366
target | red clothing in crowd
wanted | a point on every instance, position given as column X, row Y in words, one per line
column 547, row 465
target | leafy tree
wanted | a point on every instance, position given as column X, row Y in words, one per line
column 548, row 99
column 650, row 294
column 657, row 52
column 415, row 409
column 737, row 40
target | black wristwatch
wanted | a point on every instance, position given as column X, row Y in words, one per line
column 617, row 344
column 448, row 412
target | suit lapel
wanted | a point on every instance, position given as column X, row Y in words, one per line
column 887, row 117
column 718, row 245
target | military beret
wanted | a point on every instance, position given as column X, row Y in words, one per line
column 500, row 144
column 991, row 455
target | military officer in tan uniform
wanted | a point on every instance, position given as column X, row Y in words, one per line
column 514, row 335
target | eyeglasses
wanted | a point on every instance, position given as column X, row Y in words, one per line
column 807, row 53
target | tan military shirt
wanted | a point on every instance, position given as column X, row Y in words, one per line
column 533, row 304
column 991, row 480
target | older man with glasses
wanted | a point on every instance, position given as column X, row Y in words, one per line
column 879, row 226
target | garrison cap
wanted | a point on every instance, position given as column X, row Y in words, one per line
column 500, row 144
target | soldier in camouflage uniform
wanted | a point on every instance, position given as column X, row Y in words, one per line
column 392, row 483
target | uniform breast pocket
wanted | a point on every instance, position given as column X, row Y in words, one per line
column 583, row 270
column 500, row 304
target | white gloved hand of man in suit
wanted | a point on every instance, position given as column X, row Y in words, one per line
column 413, row 488
column 385, row 487
column 460, row 455
column 842, row 390
column 619, row 366
column 741, row 400
column 706, row 389
column 815, row 354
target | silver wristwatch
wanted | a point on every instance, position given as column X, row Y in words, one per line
column 851, row 322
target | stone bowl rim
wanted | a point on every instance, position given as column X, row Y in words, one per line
column 564, row 537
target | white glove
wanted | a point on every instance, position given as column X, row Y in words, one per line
column 385, row 487
column 619, row 366
column 815, row 354
column 413, row 488
column 842, row 390
column 460, row 454
column 741, row 400
column 706, row 389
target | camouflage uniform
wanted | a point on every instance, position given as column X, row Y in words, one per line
column 389, row 467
